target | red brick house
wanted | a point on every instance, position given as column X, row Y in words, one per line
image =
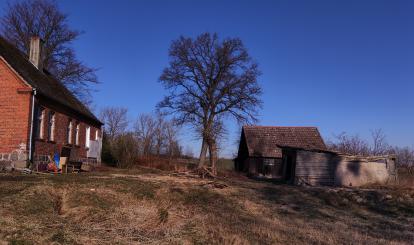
column 39, row 115
column 260, row 149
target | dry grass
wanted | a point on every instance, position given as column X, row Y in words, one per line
column 406, row 176
column 153, row 207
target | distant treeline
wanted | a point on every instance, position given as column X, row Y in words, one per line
column 149, row 137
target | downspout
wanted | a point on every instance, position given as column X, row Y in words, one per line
column 31, row 126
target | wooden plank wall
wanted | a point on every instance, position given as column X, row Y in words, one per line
column 315, row 168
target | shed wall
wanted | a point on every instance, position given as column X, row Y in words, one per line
column 315, row 168
column 326, row 168
column 358, row 172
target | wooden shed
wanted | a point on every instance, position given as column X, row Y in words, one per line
column 260, row 153
column 299, row 156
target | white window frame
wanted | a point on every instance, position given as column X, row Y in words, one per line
column 96, row 134
column 41, row 120
column 77, row 129
column 88, row 137
column 70, row 132
column 51, row 125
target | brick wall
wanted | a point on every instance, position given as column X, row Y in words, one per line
column 15, row 107
column 45, row 147
column 15, row 117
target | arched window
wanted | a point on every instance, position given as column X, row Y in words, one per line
column 69, row 132
column 88, row 137
column 51, row 126
column 40, row 122
column 77, row 134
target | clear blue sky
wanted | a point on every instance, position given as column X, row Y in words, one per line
column 339, row 65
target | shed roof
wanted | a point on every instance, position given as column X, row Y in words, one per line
column 44, row 83
column 265, row 141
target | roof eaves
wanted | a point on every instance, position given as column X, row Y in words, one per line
column 15, row 72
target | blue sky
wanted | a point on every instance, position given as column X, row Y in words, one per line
column 339, row 65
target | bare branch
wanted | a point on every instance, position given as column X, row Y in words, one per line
column 209, row 80
column 24, row 19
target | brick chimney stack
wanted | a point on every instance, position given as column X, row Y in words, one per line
column 35, row 55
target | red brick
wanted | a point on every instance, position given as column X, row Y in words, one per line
column 15, row 117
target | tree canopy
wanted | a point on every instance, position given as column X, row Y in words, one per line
column 210, row 80
column 42, row 18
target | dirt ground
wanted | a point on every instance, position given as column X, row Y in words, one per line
column 152, row 207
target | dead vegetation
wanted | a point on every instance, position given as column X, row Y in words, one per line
column 152, row 207
column 406, row 176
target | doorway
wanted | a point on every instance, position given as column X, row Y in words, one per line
column 289, row 162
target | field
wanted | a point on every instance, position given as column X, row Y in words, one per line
column 144, row 206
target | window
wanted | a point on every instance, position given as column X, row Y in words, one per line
column 88, row 137
column 69, row 132
column 269, row 162
column 51, row 126
column 268, row 167
column 77, row 134
column 97, row 134
column 40, row 119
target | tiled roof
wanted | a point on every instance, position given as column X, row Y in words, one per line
column 263, row 141
column 45, row 84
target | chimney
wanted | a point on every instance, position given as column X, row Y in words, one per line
column 35, row 55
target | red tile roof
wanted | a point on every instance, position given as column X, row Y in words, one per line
column 263, row 141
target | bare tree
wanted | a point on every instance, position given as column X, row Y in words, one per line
column 124, row 149
column 172, row 145
column 151, row 135
column 404, row 155
column 350, row 144
column 353, row 144
column 160, row 136
column 115, row 120
column 24, row 19
column 380, row 145
column 210, row 80
column 145, row 127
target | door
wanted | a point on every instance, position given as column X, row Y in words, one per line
column 290, row 165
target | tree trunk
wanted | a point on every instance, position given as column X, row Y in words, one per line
column 213, row 156
column 203, row 153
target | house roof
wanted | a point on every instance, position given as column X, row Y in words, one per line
column 45, row 84
column 265, row 141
